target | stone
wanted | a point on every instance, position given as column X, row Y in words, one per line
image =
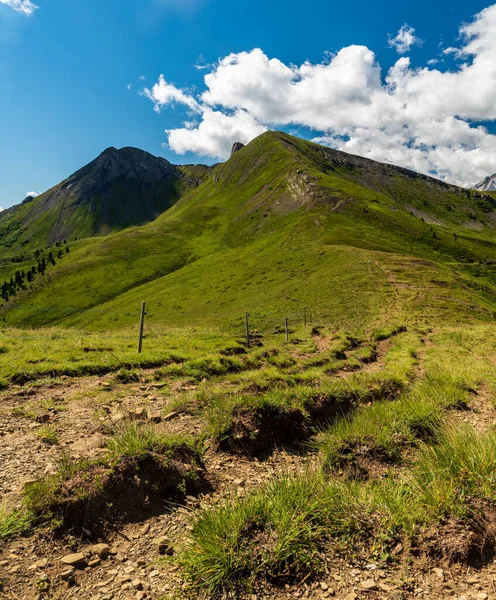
column 138, row 414
column 154, row 416
column 237, row 146
column 101, row 550
column 88, row 444
column 94, row 562
column 369, row 585
column 438, row 573
column 43, row 418
column 398, row 549
column 170, row 416
column 164, row 547
column 42, row 563
column 482, row 596
column 323, row 586
column 77, row 558
column 67, row 574
column 137, row 585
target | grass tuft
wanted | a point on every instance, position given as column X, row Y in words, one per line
column 48, row 434
column 13, row 523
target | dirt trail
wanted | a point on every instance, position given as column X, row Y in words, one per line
column 481, row 411
column 81, row 411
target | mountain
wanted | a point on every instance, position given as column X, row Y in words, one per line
column 118, row 189
column 283, row 224
column 487, row 185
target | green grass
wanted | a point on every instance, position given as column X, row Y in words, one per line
column 282, row 529
column 48, row 435
column 136, row 440
column 402, row 294
column 134, row 450
column 250, row 234
column 385, row 427
column 13, row 523
column 460, row 466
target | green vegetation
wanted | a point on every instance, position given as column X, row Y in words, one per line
column 279, row 211
column 395, row 276
column 13, row 523
column 48, row 434
column 284, row 528
column 141, row 464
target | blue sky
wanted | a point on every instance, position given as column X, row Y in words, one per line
column 70, row 81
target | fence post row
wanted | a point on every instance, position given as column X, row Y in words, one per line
column 141, row 328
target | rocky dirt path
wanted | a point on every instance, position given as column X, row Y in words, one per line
column 134, row 562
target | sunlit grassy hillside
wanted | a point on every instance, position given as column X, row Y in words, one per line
column 282, row 225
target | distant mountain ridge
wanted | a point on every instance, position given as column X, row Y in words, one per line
column 118, row 189
column 487, row 185
column 282, row 223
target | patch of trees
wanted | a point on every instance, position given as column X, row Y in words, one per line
column 20, row 279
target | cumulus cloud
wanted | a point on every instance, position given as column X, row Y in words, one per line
column 163, row 93
column 421, row 118
column 216, row 133
column 404, row 40
column 26, row 7
column 31, row 194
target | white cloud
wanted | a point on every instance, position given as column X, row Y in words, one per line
column 216, row 133
column 32, row 195
column 129, row 86
column 163, row 93
column 25, row 7
column 404, row 40
column 202, row 64
column 420, row 118
column 1, row 209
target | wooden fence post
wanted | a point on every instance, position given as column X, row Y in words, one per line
column 287, row 329
column 305, row 316
column 247, row 323
column 141, row 329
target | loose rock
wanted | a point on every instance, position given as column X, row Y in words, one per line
column 74, row 559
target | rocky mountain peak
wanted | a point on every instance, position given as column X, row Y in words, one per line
column 237, row 146
column 487, row 185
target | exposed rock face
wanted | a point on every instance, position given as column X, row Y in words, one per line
column 127, row 163
column 237, row 146
column 488, row 185
column 118, row 189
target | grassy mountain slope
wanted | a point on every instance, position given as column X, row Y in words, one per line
column 283, row 224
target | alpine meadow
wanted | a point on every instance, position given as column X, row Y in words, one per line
column 267, row 377
column 358, row 432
